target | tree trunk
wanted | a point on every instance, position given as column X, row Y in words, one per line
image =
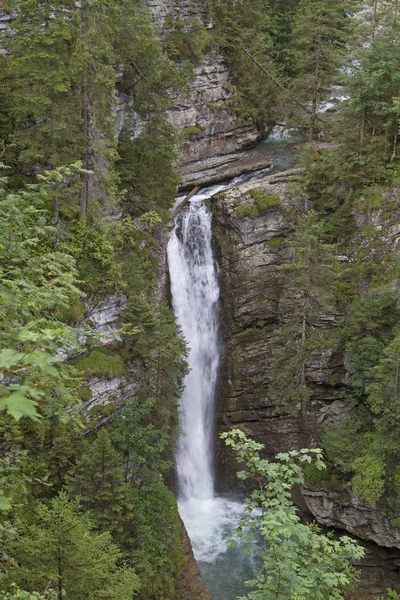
column 85, row 116
column 303, row 394
column 316, row 81
column 60, row 581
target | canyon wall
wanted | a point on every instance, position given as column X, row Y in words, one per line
column 249, row 252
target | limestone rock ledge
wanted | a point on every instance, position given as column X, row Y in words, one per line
column 220, row 133
column 343, row 509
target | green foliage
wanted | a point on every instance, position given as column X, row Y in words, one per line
column 147, row 166
column 17, row 594
column 98, row 480
column 317, row 478
column 187, row 40
column 143, row 434
column 308, row 291
column 262, row 203
column 100, row 363
column 391, row 595
column 152, row 340
column 248, row 24
column 35, row 280
column 319, row 36
column 369, row 477
column 59, row 547
column 248, row 211
column 93, row 246
column 297, row 560
column 191, row 130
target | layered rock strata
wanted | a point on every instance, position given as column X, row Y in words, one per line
column 250, row 251
column 220, row 134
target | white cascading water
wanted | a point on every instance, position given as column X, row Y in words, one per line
column 195, row 293
column 210, row 520
column 193, row 272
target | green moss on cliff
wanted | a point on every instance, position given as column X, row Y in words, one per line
column 101, row 363
column 262, row 203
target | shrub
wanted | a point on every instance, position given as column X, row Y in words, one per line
column 264, row 200
column 262, row 203
column 248, row 210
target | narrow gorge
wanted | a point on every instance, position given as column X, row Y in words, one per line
column 199, row 233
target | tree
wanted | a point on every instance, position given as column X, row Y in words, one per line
column 58, row 548
column 45, row 99
column 297, row 560
column 320, row 32
column 18, row 594
column 98, row 480
column 36, row 282
column 308, row 283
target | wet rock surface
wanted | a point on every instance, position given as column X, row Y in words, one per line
column 190, row 585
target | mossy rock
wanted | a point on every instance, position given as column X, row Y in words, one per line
column 85, row 393
column 192, row 130
column 248, row 211
column 100, row 363
column 262, row 203
column 396, row 522
column 275, row 243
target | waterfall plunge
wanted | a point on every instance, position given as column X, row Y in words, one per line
column 209, row 520
column 195, row 293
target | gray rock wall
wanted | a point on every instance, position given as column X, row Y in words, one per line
column 249, row 255
column 221, row 133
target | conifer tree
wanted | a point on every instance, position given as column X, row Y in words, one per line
column 45, row 101
column 308, row 282
column 320, row 32
column 58, row 548
column 98, row 480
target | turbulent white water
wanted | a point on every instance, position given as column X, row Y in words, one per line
column 209, row 520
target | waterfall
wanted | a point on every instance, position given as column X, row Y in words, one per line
column 195, row 294
column 210, row 521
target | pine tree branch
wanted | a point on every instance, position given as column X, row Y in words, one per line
column 279, row 84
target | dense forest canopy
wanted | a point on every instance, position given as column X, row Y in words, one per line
column 85, row 508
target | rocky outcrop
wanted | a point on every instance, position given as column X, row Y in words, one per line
column 343, row 509
column 219, row 132
column 250, row 251
column 5, row 22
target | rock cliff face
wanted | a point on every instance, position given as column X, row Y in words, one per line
column 190, row 584
column 220, row 135
column 249, row 251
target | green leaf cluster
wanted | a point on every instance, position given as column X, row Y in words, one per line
column 297, row 560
